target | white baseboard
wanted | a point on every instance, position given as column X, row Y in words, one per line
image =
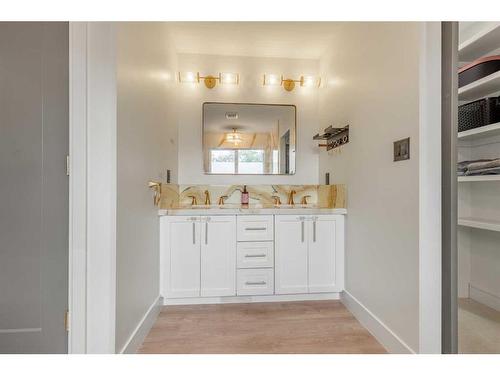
column 391, row 342
column 140, row 332
column 484, row 297
column 250, row 299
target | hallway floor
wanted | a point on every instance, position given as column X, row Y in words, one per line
column 279, row 327
column 478, row 328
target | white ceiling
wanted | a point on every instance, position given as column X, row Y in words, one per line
column 305, row 40
column 251, row 118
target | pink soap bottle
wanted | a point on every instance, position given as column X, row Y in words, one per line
column 245, row 196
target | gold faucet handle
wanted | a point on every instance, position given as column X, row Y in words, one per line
column 193, row 200
column 304, row 199
column 222, row 199
column 207, row 198
column 277, row 200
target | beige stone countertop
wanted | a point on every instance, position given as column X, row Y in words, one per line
column 298, row 209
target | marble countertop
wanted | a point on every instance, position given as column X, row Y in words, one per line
column 252, row 210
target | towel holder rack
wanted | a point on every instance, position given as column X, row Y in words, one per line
column 334, row 137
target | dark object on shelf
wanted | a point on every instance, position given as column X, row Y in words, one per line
column 335, row 137
column 478, row 69
column 478, row 113
column 327, row 178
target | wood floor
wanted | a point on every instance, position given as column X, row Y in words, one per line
column 287, row 327
column 478, row 328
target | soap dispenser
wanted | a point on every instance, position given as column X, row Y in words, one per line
column 245, row 196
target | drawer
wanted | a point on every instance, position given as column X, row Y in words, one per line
column 255, row 228
column 255, row 282
column 255, row 254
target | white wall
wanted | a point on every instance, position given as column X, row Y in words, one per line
column 250, row 90
column 146, row 148
column 373, row 85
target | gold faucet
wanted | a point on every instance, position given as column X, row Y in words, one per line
column 207, row 198
column 221, row 200
column 193, row 200
column 277, row 200
column 304, row 199
column 290, row 197
column 156, row 187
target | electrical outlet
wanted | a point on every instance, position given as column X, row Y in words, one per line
column 402, row 149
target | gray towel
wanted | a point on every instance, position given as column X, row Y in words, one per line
column 474, row 166
column 484, row 171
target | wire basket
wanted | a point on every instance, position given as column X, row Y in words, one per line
column 478, row 113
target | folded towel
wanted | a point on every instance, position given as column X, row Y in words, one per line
column 483, row 164
column 484, row 171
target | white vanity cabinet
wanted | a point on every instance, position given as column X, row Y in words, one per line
column 309, row 254
column 198, row 256
column 251, row 257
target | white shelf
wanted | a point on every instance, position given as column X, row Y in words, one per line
column 480, row 44
column 493, row 225
column 486, row 131
column 480, row 88
column 478, row 178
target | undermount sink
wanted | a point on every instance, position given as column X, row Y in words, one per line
column 285, row 206
column 232, row 206
column 224, row 206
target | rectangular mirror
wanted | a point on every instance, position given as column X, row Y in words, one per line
column 241, row 138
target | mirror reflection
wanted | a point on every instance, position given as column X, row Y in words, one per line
column 249, row 138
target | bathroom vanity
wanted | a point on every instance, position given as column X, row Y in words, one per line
column 218, row 255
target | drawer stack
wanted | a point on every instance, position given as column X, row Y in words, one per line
column 255, row 255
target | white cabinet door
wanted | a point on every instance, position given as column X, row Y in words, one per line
column 180, row 242
column 218, row 256
column 290, row 254
column 322, row 254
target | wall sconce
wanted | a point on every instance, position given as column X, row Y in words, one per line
column 210, row 81
column 288, row 83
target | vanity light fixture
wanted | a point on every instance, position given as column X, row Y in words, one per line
column 289, row 83
column 272, row 80
column 210, row 81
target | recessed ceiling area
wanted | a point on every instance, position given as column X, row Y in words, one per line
column 259, row 118
column 304, row 40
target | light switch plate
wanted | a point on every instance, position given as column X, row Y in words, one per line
column 402, row 149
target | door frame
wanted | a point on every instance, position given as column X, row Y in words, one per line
column 92, row 187
column 449, row 119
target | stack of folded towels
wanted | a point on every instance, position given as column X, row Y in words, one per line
column 478, row 167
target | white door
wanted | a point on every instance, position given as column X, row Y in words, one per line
column 322, row 250
column 180, row 243
column 290, row 254
column 218, row 256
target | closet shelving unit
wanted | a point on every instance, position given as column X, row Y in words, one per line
column 479, row 196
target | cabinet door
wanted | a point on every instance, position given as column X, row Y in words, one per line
column 218, row 256
column 181, row 248
column 290, row 254
column 324, row 245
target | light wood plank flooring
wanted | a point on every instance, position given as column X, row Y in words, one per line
column 279, row 327
column 478, row 328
